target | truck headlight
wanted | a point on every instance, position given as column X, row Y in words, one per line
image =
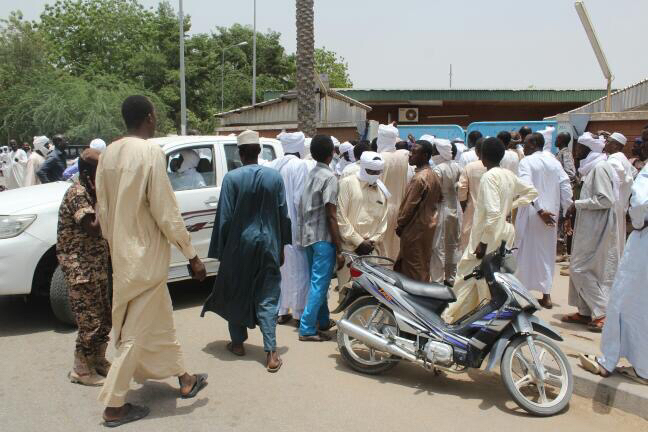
column 12, row 226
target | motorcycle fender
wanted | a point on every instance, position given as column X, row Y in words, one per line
column 497, row 351
column 542, row 327
column 348, row 296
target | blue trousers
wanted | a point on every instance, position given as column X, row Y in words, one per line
column 321, row 259
column 266, row 305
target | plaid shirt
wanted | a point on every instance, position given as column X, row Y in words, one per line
column 321, row 188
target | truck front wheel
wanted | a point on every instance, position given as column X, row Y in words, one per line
column 59, row 299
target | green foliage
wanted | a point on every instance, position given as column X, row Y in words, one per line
column 69, row 72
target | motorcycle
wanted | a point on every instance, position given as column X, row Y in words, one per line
column 390, row 318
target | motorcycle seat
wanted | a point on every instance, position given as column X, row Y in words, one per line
column 432, row 290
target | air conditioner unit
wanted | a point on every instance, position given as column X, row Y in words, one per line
column 408, row 115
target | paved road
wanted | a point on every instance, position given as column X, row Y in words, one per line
column 314, row 391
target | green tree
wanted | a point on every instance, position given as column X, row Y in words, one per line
column 337, row 69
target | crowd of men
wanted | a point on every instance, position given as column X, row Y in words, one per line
column 435, row 207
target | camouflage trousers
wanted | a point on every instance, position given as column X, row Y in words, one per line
column 92, row 310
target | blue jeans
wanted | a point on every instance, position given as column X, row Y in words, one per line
column 321, row 259
column 266, row 305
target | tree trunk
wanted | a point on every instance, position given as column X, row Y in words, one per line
column 306, row 101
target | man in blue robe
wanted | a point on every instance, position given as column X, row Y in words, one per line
column 250, row 232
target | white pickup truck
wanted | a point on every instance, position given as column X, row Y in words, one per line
column 29, row 217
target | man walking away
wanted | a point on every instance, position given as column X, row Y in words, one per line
column 470, row 155
column 140, row 219
column 594, row 257
column 56, row 162
column 417, row 217
column 511, row 159
column 499, row 192
column 36, row 160
column 535, row 225
column 468, row 187
column 624, row 333
column 362, row 211
column 294, row 271
column 626, row 173
column 18, row 164
column 84, row 258
column 445, row 250
column 319, row 233
column 250, row 231
column 395, row 179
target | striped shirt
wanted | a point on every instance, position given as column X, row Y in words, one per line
column 321, row 188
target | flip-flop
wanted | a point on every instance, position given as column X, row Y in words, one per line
column 575, row 318
column 630, row 372
column 331, row 324
column 319, row 337
column 273, row 370
column 230, row 348
column 201, row 383
column 136, row 412
column 596, row 325
column 284, row 319
column 590, row 364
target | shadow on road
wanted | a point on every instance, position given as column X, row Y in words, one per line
column 255, row 353
column 163, row 400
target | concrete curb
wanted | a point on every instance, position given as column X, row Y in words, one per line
column 615, row 391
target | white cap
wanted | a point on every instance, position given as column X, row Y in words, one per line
column 247, row 137
column 620, row 138
column 98, row 144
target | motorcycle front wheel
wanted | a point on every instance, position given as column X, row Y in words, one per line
column 544, row 395
column 368, row 313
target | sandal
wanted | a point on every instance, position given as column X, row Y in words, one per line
column 591, row 364
column 135, row 412
column 201, row 383
column 630, row 372
column 318, row 337
column 596, row 325
column 284, row 319
column 575, row 318
column 230, row 348
column 331, row 324
column 275, row 369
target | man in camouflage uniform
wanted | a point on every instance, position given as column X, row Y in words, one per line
column 84, row 258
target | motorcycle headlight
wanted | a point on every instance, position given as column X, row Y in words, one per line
column 12, row 226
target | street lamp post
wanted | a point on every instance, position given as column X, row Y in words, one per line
column 223, row 72
column 254, row 58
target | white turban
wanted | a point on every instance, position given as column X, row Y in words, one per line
column 347, row 147
column 41, row 144
column 593, row 143
column 372, row 161
column 336, row 142
column 294, row 142
column 547, row 133
column 444, row 147
column 190, row 160
column 428, row 138
column 247, row 137
column 98, row 144
column 387, row 138
column 620, row 138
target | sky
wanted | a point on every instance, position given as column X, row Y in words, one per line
column 411, row 43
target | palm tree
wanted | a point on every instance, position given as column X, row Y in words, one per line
column 306, row 101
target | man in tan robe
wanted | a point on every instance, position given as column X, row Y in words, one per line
column 467, row 192
column 417, row 218
column 499, row 191
column 139, row 218
column 395, row 179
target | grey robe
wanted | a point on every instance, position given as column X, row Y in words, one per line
column 594, row 258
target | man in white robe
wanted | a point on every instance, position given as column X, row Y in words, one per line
column 536, row 230
column 140, row 219
column 626, row 173
column 354, row 167
column 394, row 176
column 18, row 166
column 295, row 272
column 469, row 155
column 511, row 160
column 499, row 192
column 594, row 257
column 36, row 159
column 468, row 188
column 445, row 249
column 461, row 147
column 362, row 211
column 346, row 157
column 183, row 174
column 625, row 332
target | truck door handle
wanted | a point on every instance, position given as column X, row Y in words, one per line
column 212, row 202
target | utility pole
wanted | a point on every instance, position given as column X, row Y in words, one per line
column 183, row 96
column 450, row 75
column 254, row 58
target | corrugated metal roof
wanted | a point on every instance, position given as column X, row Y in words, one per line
column 629, row 98
column 517, row 95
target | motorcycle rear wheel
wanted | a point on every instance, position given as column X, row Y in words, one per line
column 359, row 356
column 542, row 398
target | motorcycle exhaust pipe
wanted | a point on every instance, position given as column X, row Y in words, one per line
column 374, row 341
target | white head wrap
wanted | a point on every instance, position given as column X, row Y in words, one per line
column 336, row 142
column 428, row 138
column 387, row 138
column 190, row 160
column 98, row 144
column 372, row 161
column 293, row 142
column 620, row 138
column 247, row 137
column 547, row 133
column 444, row 147
column 41, row 143
column 595, row 144
column 347, row 147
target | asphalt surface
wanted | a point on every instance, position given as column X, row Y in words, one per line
column 314, row 391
